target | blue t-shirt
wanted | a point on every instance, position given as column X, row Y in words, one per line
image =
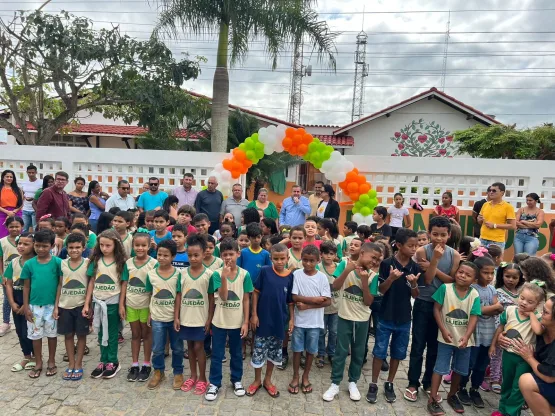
column 168, row 236
column 274, row 296
column 181, row 260
column 253, row 262
column 149, row 202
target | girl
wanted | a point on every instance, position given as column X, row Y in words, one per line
column 496, row 254
column 266, row 243
column 528, row 221
column 170, row 205
column 535, row 269
column 104, row 222
column 397, row 214
column 550, row 260
column 249, row 215
column 446, row 208
column 108, row 285
column 210, row 261
column 228, row 219
column 11, row 200
column 137, row 301
column 268, row 226
column 508, row 281
column 518, row 258
column 61, row 227
column 8, row 251
column 467, row 246
column 328, row 231
column 456, row 235
column 96, row 204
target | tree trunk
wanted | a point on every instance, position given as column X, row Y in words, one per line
column 220, row 94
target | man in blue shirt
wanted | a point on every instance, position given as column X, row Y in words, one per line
column 295, row 209
column 153, row 199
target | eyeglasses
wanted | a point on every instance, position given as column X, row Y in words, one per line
column 152, row 184
column 61, row 180
column 125, row 188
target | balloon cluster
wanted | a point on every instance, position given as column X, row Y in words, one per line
column 318, row 153
column 336, row 167
column 271, row 137
column 253, row 148
column 359, row 190
column 296, row 141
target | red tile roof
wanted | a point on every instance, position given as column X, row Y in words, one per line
column 346, row 141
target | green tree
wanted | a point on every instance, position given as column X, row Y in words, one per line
column 238, row 22
column 58, row 66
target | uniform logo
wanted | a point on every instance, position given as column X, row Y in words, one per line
column 457, row 317
column 192, row 298
column 73, row 287
column 104, row 283
column 163, row 297
column 136, row 286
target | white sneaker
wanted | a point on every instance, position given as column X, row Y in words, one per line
column 354, row 394
column 238, row 389
column 4, row 328
column 212, row 393
column 332, row 392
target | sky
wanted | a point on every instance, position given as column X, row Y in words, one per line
column 499, row 59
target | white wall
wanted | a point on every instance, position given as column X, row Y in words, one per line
column 321, row 130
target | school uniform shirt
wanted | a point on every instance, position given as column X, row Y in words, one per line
column 252, row 261
column 128, row 244
column 517, row 327
column 181, row 260
column 334, row 307
column 8, row 251
column 351, row 300
column 107, row 282
column 310, row 286
column 157, row 240
column 136, row 296
column 44, row 280
column 74, row 284
column 456, row 311
column 340, row 267
column 216, row 264
column 294, row 262
column 13, row 272
column 194, row 297
column 229, row 313
column 164, row 291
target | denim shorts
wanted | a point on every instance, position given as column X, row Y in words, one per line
column 460, row 358
column 399, row 335
column 487, row 243
column 305, row 339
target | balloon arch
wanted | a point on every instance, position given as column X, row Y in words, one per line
column 297, row 142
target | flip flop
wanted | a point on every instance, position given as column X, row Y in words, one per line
column 68, row 374
column 252, row 390
column 30, row 365
column 272, row 391
column 17, row 367
column 77, row 375
column 87, row 351
column 306, row 388
column 35, row 373
column 51, row 371
column 496, row 388
column 410, row 395
column 293, row 389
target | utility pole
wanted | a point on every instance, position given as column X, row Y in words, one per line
column 445, row 52
column 361, row 72
column 295, row 91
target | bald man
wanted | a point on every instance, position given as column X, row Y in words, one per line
column 209, row 202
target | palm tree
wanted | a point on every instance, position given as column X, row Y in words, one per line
column 237, row 22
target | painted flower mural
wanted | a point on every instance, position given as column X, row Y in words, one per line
column 422, row 139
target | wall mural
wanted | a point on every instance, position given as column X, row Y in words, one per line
column 422, row 139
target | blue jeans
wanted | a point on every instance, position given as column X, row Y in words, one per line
column 479, row 361
column 487, row 243
column 451, row 357
column 6, row 308
column 330, row 327
column 160, row 332
column 219, row 336
column 526, row 243
column 29, row 220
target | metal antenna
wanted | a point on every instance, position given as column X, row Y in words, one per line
column 445, row 51
column 361, row 72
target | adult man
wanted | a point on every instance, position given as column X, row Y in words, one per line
column 476, row 211
column 235, row 205
column 294, row 209
column 54, row 200
column 496, row 216
column 154, row 198
column 29, row 188
column 121, row 199
column 316, row 197
column 186, row 194
column 209, row 202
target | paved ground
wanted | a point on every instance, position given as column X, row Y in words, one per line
column 51, row 395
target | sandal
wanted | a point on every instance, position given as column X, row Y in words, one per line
column 77, row 375
column 51, row 371
column 87, row 351
column 68, row 374
column 17, row 367
column 307, row 388
column 438, row 398
column 293, row 389
column 272, row 391
column 253, row 389
column 496, row 388
column 410, row 395
column 188, row 385
column 30, row 365
column 320, row 362
column 35, row 373
column 201, row 388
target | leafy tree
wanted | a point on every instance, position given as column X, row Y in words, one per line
column 237, row 22
column 57, row 66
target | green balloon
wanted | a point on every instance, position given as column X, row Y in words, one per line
column 358, row 205
column 329, row 148
column 243, row 146
column 249, row 143
column 312, row 146
column 372, row 193
column 365, row 211
column 255, row 136
column 364, row 198
column 251, row 155
column 259, row 147
column 374, row 202
column 355, row 210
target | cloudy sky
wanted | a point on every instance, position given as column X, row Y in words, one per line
column 500, row 60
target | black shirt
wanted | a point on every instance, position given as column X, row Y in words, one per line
column 396, row 302
column 384, row 230
column 477, row 208
column 545, row 354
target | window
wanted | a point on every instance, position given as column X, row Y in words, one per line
column 67, row 141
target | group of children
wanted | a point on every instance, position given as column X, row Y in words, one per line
column 305, row 284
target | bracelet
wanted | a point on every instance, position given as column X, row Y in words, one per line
column 415, row 287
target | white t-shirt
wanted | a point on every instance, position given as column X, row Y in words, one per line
column 310, row 286
column 396, row 216
column 322, row 209
column 29, row 189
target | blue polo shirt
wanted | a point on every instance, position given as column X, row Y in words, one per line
column 149, row 202
column 253, row 261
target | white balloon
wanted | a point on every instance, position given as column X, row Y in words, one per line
column 226, row 176
column 219, row 168
column 368, row 220
column 358, row 218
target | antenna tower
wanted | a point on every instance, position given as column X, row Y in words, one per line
column 361, row 72
column 295, row 92
column 445, row 52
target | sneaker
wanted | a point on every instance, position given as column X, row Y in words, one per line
column 238, row 389
column 224, row 360
column 133, row 373
column 485, row 386
column 144, row 374
column 372, row 395
column 464, row 397
column 354, row 394
column 447, row 378
column 476, row 399
column 111, row 370
column 385, row 366
column 389, row 392
column 212, row 393
column 455, row 403
column 434, row 408
column 177, row 381
column 284, row 361
column 156, row 379
column 208, row 354
column 97, row 372
column 4, row 329
column 332, row 393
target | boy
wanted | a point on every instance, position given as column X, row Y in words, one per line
column 254, row 257
column 423, row 238
column 40, row 277
column 311, row 293
column 297, row 239
column 70, row 299
column 201, row 223
column 440, row 262
column 122, row 222
column 311, row 231
column 398, row 282
column 349, row 231
column 272, row 311
column 456, row 311
column 164, row 283
column 185, row 215
column 364, row 232
column 354, row 251
column 78, row 228
column 149, row 220
column 328, row 252
column 179, row 236
column 8, row 252
column 79, row 218
column 160, row 232
column 243, row 240
column 356, row 283
column 380, row 227
column 210, row 261
column 231, row 319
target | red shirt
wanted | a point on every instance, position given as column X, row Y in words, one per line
column 54, row 203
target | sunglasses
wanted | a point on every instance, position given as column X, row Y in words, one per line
column 152, row 184
column 492, row 191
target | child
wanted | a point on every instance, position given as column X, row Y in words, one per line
column 108, row 285
column 254, row 257
column 193, row 313
column 297, row 238
column 266, row 243
column 423, row 238
column 104, row 222
column 201, row 223
column 327, row 229
column 82, row 229
column 160, row 232
column 164, row 282
column 517, row 322
column 380, row 227
column 311, row 229
column 40, row 277
column 328, row 253
column 268, row 226
column 243, row 240
column 311, row 294
column 14, row 290
column 185, row 215
column 61, row 227
column 210, row 261
column 535, row 269
column 364, row 232
column 179, row 236
column 122, row 223
column 231, row 319
column 46, row 222
column 70, row 299
column 356, row 284
column 399, row 281
column 137, row 301
column 397, row 215
column 149, row 220
column 227, row 228
column 485, row 328
column 354, row 252
column 272, row 311
column 8, row 252
column 349, row 232
column 79, row 218
column 456, row 311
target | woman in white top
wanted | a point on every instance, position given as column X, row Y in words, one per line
column 397, row 215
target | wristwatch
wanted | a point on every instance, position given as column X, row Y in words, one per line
column 494, row 225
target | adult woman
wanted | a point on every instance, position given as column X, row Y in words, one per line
column 269, row 208
column 47, row 182
column 528, row 221
column 78, row 199
column 328, row 207
column 96, row 203
column 170, row 206
column 446, row 208
column 11, row 199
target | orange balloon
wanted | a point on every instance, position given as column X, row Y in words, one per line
column 227, row 164
column 354, row 196
column 352, row 187
column 298, row 138
column 351, row 177
column 343, row 185
column 307, row 139
column 235, row 174
column 303, row 148
column 301, row 131
column 236, row 165
column 361, row 179
column 247, row 163
column 287, row 143
column 290, row 131
column 364, row 188
column 243, row 169
column 240, row 155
